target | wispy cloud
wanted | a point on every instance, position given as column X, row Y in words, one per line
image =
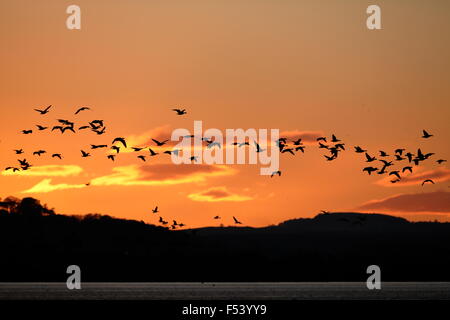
column 218, row 194
column 416, row 178
column 161, row 174
column 438, row 201
column 47, row 171
column 46, row 186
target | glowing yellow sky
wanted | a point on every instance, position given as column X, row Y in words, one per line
column 310, row 66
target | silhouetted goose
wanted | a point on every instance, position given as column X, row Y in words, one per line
column 121, row 140
column 85, row 154
column 409, row 155
column 297, row 142
column 258, row 148
column 116, row 148
column 18, row 151
column 386, row 163
column 194, row 158
column 399, row 151
column 43, row 111
column 370, row 170
column 137, row 148
column 14, row 169
column 236, row 220
column 142, row 158
column 301, row 148
column 340, row 146
column 82, row 109
column 216, row 217
column 395, row 173
column 334, row 139
column 99, row 132
column 324, row 139
column 383, row 154
column 57, row 155
column 330, row 158
column 399, row 157
column 276, row 172
column 180, row 112
column 441, row 161
column 156, row 211
column 27, row 131
column 369, row 158
column 358, row 149
column 94, row 146
column 39, row 152
column 322, row 146
column 408, row 168
column 428, row 180
column 111, row 157
column 152, row 153
column 41, row 128
column 426, row 135
column 290, row 150
column 160, row 143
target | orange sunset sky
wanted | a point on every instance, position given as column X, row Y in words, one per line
column 303, row 67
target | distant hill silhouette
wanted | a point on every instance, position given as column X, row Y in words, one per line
column 37, row 245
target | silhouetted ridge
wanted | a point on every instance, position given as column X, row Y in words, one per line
column 37, row 245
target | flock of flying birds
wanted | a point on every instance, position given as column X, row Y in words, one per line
column 334, row 146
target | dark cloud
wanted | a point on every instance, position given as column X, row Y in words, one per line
column 438, row 201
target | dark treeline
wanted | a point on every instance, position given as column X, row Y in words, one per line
column 37, row 245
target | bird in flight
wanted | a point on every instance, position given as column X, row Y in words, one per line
column 43, row 111
column 141, row 157
column 97, row 146
column 324, row 139
column 369, row 158
column 152, row 153
column 180, row 112
column 370, row 169
column 116, row 148
column 240, row 144
column 194, row 158
column 111, row 156
column 156, row 211
column 160, row 143
column 39, row 152
column 441, row 161
column 27, row 131
column 137, row 149
column 84, row 154
column 14, row 169
column 297, row 142
column 408, row 168
column 426, row 135
column 290, row 150
column 57, row 155
column 41, row 128
column 236, row 220
column 216, row 217
column 301, row 148
column 82, row 109
column 258, row 148
column 334, row 139
column 276, row 173
column 428, row 180
column 395, row 173
column 383, row 154
column 18, row 151
column 121, row 140
column 358, row 149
